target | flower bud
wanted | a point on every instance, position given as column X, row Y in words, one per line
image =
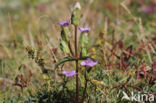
column 65, row 32
column 83, row 44
column 83, row 40
column 77, row 5
column 76, row 15
column 84, row 52
column 64, row 47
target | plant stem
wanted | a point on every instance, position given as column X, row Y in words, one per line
column 77, row 83
column 84, row 91
column 76, row 56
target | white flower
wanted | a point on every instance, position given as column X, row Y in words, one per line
column 77, row 5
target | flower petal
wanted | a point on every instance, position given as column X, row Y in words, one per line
column 69, row 73
column 89, row 62
column 84, row 30
column 83, row 63
column 64, row 23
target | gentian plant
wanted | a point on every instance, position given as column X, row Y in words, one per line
column 80, row 49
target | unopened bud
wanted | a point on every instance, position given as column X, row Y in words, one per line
column 77, row 5
column 65, row 32
column 84, row 52
column 76, row 15
column 83, row 40
column 64, row 47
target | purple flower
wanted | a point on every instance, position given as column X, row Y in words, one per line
column 64, row 23
column 69, row 73
column 89, row 62
column 148, row 10
column 84, row 30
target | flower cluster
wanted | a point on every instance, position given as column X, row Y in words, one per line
column 82, row 29
column 88, row 62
